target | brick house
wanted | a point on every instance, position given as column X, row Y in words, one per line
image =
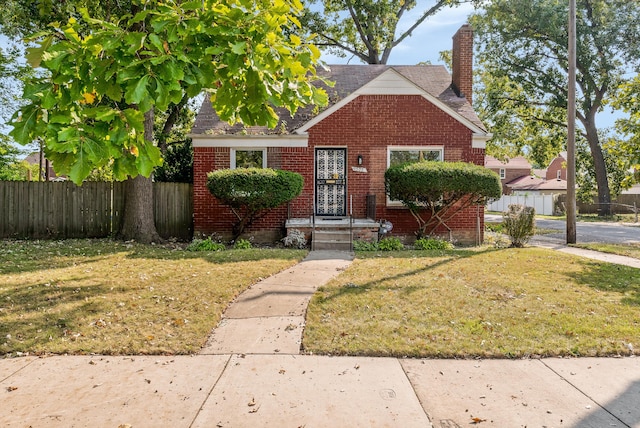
column 519, row 178
column 377, row 115
column 512, row 170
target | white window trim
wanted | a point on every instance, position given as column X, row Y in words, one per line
column 244, row 149
column 503, row 173
column 391, row 203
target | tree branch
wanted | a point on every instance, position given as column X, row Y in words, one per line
column 363, row 36
column 420, row 20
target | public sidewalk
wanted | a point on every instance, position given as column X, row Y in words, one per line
column 250, row 374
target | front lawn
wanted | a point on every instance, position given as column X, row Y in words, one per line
column 629, row 250
column 477, row 303
column 107, row 297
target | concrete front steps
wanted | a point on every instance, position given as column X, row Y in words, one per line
column 334, row 234
column 331, row 239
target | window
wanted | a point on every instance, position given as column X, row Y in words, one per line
column 503, row 173
column 248, row 158
column 404, row 154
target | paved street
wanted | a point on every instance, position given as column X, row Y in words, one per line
column 614, row 233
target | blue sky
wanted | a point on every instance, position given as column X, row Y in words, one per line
column 426, row 42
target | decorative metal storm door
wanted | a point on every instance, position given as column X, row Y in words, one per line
column 331, row 182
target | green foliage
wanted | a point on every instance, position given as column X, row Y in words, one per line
column 440, row 188
column 365, row 246
column 104, row 78
column 390, row 243
column 520, row 224
column 251, row 191
column 433, row 244
column 523, row 62
column 629, row 101
column 242, row 244
column 205, row 245
column 368, row 29
column 178, row 164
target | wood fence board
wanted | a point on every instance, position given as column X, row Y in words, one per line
column 64, row 210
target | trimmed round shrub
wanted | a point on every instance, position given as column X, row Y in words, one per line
column 250, row 191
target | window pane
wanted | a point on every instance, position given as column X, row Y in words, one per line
column 249, row 158
column 402, row 156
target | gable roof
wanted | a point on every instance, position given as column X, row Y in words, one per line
column 519, row 162
column 431, row 81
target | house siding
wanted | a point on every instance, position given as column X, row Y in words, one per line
column 366, row 126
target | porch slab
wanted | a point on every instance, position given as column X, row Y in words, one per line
column 339, row 222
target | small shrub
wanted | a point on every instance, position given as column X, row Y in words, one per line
column 390, row 244
column 365, row 246
column 520, row 224
column 295, row 239
column 433, row 244
column 242, row 244
column 205, row 245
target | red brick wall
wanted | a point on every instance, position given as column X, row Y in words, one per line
column 366, row 126
column 558, row 164
column 511, row 174
column 462, row 62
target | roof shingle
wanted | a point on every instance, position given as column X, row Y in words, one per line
column 433, row 79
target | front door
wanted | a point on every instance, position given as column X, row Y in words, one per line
column 331, row 182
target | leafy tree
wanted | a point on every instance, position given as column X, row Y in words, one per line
column 106, row 80
column 251, row 192
column 629, row 101
column 523, row 46
column 441, row 189
column 178, row 164
column 367, row 29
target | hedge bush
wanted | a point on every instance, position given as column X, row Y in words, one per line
column 252, row 191
column 441, row 189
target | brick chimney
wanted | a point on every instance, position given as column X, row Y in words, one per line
column 462, row 62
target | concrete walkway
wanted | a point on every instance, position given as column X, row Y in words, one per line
column 269, row 317
column 250, row 374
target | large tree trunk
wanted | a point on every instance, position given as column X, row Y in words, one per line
column 138, row 222
column 602, row 181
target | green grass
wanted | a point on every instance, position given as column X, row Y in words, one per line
column 629, row 250
column 107, row 297
column 476, row 303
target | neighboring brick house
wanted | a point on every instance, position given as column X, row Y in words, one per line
column 509, row 171
column 377, row 115
column 518, row 177
column 557, row 168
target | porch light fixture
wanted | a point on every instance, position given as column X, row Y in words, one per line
column 359, row 159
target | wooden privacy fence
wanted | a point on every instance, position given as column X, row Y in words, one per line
column 93, row 210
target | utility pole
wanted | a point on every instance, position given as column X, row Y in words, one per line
column 571, row 128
